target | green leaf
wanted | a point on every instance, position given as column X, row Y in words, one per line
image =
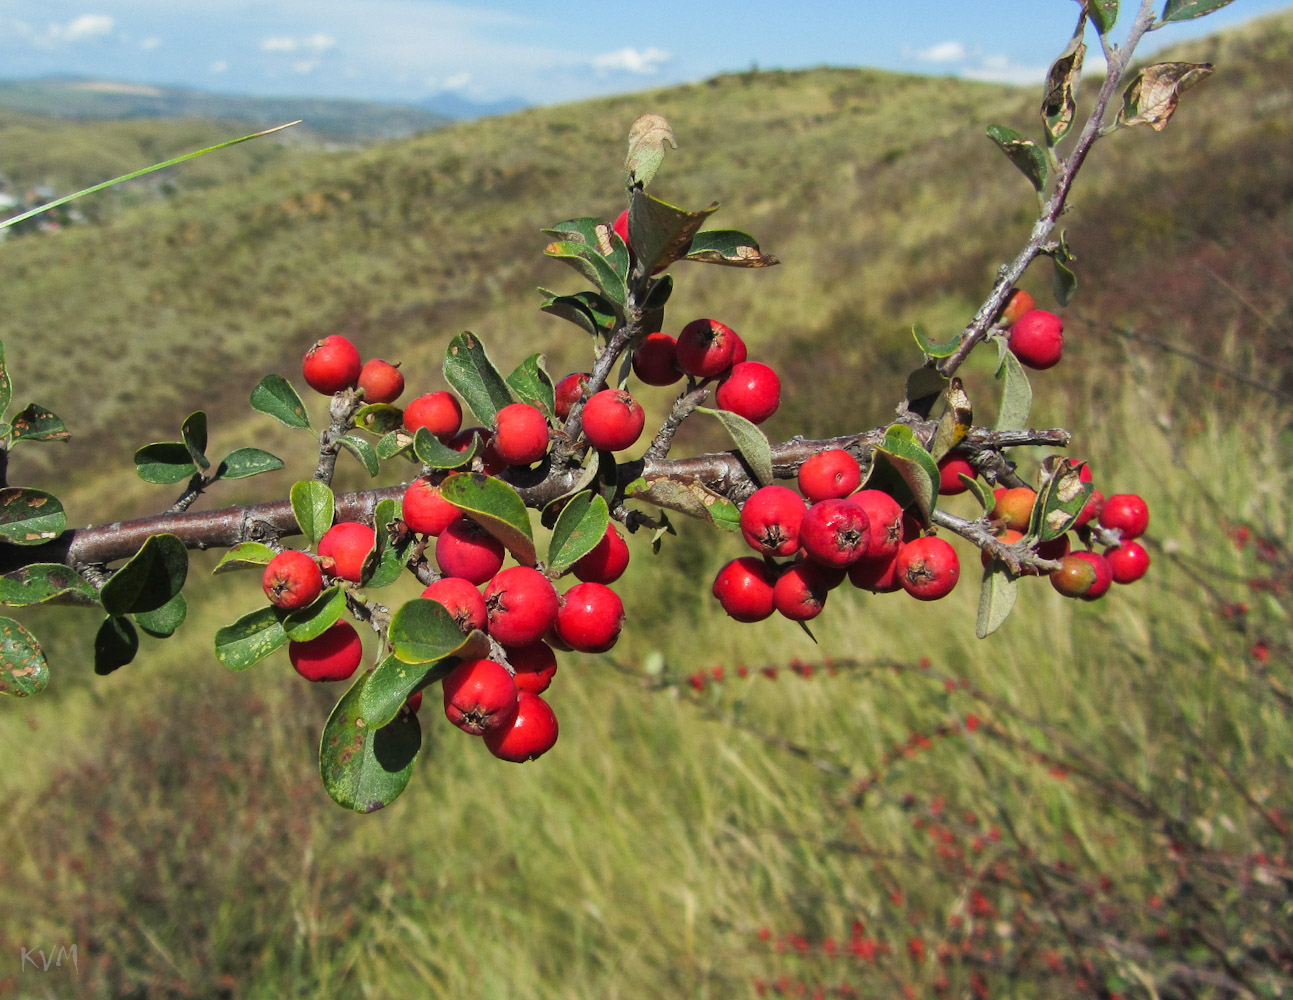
column 648, row 137
column 1184, row 10
column 30, row 517
column 1154, row 93
column 23, row 668
column 729, row 247
column 314, row 507
column 316, row 618
column 250, row 639
column 1061, row 496
column 599, row 238
column 750, row 441
column 579, row 529
column 393, row 680
column 1025, row 154
column 693, row 499
column 955, row 423
column 246, row 462
column 661, row 232
column 392, row 552
column 6, row 386
column 245, row 555
column 163, row 622
column 435, row 455
column 593, row 265
column 194, row 434
column 473, row 376
column 496, row 507
column 363, row 451
column 996, row 599
column 115, row 645
column 46, row 583
column 423, row 631
column 1016, row 394
column 36, row 423
column 904, row 469
column 925, row 387
column 931, row 348
column 276, row 397
column 152, row 576
column 587, row 310
column 1058, row 103
column 394, row 443
column 363, row 768
column 531, row 383
column 981, row 491
column 1104, row 14
column 379, row 418
column 1064, row 282
column 164, row 462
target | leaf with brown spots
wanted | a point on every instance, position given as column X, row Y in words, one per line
column 23, row 669
column 363, row 768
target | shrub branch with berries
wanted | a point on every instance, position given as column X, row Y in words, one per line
column 574, row 452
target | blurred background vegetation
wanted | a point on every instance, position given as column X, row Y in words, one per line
column 1119, row 801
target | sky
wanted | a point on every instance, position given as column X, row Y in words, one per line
column 541, row 53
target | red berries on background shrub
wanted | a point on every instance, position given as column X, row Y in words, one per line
column 467, row 550
column 292, row 580
column 770, row 520
column 613, row 420
column 752, row 391
column 1014, row 506
column 521, row 604
column 465, row 604
column 439, row 412
column 607, row 561
column 535, row 666
column 331, row 364
column 520, row 434
column 1128, row 562
column 568, row 392
column 885, row 520
column 425, row 510
column 479, row 696
column 531, row 732
column 950, row 470
column 835, row 533
column 829, row 475
column 928, row 568
column 655, row 362
column 590, row 617
column 705, row 348
column 1126, row 512
column 745, row 589
column 381, row 381
column 343, row 548
column 333, row 656
column 800, row 591
column 1037, row 339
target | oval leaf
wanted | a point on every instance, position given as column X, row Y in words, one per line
column 393, row 680
column 162, row 623
column 1016, row 394
column 36, row 423
column 1058, row 103
column 1184, row 10
column 1025, row 154
column 496, row 507
column 30, row 517
column 379, row 418
column 996, row 599
column 390, row 557
column 750, row 441
column 1104, row 14
column 587, row 310
column 648, row 137
column 662, row 233
column 434, row 454
column 23, row 668
column 904, row 469
column 931, row 348
column 194, row 434
column 153, row 576
column 245, row 555
column 46, row 583
column 579, row 528
column 363, row 768
column 363, row 451
column 691, row 498
column 312, row 621
column 115, row 645
column 246, row 462
column 164, row 462
column 729, row 247
column 468, row 369
column 423, row 631
column 1152, row 97
column 276, row 397
column 1061, row 497
column 532, row 384
column 314, row 507
column 250, row 639
column 590, row 263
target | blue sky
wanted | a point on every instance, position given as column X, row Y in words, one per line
column 406, row 50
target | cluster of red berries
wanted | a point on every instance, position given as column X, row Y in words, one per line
column 1035, row 336
column 830, row 533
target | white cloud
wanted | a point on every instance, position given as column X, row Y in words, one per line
column 85, row 26
column 643, row 62
column 1002, row 69
column 219, row 66
column 150, row 43
column 943, row 52
column 457, row 81
column 283, row 43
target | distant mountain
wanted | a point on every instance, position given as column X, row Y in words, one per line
column 453, row 106
column 331, row 120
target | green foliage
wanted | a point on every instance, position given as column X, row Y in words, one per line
column 496, row 507
column 579, row 528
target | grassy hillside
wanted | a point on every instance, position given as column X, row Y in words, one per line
column 1089, row 803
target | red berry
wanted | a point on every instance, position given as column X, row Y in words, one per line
column 425, row 510
column 739, row 351
column 1094, row 504
column 771, row 519
column 531, row 733
column 1014, row 506
column 1037, row 339
column 590, row 617
column 1128, row 562
column 491, row 462
column 414, row 702
column 1103, row 574
column 344, row 547
column 522, row 605
column 878, row 574
column 461, row 599
column 928, row 568
column 1075, row 576
column 655, row 362
column 613, row 420
column 800, row 591
column 705, row 348
column 292, row 580
column 744, row 589
column 621, row 225
column 479, row 696
column 1019, row 303
column 752, row 391
column 829, row 475
column 467, row 550
column 439, row 412
column 569, row 391
column 950, row 471
column 607, row 560
column 333, row 656
column 535, row 666
column 520, row 434
column 381, row 381
column 331, row 364
column 835, row 532
column 888, row 526
column 1127, row 513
